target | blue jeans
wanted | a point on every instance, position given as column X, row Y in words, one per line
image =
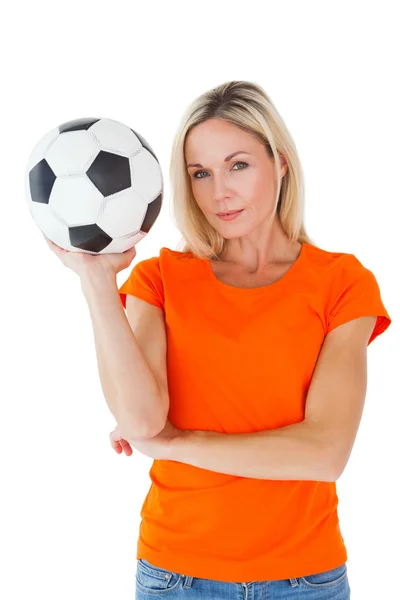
column 154, row 581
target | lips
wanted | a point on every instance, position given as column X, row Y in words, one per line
column 230, row 212
column 231, row 216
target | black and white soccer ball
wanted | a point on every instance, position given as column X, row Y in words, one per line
column 94, row 186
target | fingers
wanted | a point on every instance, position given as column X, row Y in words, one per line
column 121, row 445
column 126, row 447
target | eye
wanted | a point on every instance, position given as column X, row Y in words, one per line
column 236, row 163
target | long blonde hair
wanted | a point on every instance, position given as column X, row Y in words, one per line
column 246, row 105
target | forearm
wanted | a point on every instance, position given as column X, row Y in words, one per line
column 129, row 386
column 292, row 452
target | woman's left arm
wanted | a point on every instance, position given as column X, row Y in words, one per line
column 316, row 448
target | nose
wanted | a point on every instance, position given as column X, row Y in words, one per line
column 221, row 188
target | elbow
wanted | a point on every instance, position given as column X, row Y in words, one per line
column 142, row 433
column 155, row 430
column 149, row 426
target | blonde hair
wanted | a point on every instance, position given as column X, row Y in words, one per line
column 246, row 105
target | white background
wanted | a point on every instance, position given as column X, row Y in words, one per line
column 69, row 504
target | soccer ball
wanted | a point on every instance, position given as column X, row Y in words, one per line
column 94, row 186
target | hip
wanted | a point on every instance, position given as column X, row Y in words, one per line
column 152, row 580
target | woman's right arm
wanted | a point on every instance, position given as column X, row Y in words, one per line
column 131, row 356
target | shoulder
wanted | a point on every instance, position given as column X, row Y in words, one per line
column 349, row 289
column 165, row 256
column 163, row 265
column 335, row 264
column 328, row 258
column 174, row 261
column 169, row 255
column 339, row 275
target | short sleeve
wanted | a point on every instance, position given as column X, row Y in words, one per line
column 144, row 282
column 356, row 293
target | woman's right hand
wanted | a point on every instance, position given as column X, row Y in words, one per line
column 81, row 263
column 118, row 443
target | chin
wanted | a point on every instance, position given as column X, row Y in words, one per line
column 230, row 235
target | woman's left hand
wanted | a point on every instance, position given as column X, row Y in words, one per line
column 157, row 447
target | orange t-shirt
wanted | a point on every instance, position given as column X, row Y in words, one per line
column 240, row 360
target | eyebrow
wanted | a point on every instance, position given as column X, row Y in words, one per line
column 225, row 160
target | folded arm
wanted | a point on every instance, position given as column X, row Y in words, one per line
column 316, row 448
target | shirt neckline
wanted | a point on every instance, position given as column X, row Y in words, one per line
column 279, row 283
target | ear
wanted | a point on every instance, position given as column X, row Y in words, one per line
column 284, row 165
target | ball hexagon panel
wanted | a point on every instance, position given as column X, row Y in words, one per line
column 146, row 175
column 127, row 203
column 72, row 153
column 113, row 136
column 75, row 200
column 124, row 243
column 104, row 164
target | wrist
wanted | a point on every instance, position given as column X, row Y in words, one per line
column 95, row 276
column 180, row 446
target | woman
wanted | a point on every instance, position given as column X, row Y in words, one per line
column 265, row 375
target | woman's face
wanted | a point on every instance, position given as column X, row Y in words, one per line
column 245, row 181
